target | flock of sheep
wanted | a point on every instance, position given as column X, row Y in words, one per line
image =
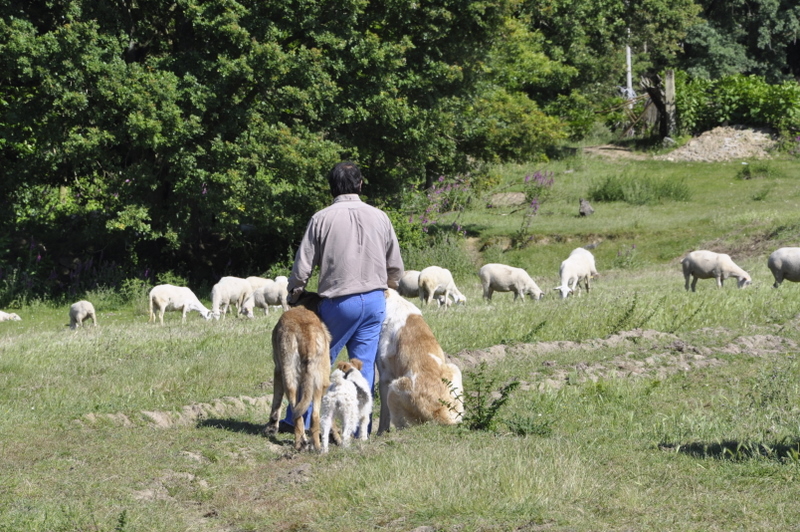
column 243, row 295
column 577, row 270
column 435, row 283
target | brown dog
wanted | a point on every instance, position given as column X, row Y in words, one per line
column 301, row 351
column 413, row 371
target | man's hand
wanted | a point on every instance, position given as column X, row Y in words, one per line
column 294, row 296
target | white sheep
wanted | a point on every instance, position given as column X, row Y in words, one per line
column 271, row 293
column 502, row 278
column 6, row 316
column 704, row 264
column 257, row 282
column 435, row 281
column 80, row 311
column 579, row 266
column 166, row 297
column 784, row 263
column 409, row 284
column 230, row 291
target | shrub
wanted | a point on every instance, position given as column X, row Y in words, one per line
column 756, row 170
column 170, row 277
column 738, row 99
column 446, row 195
column 576, row 111
column 509, row 127
column 639, row 191
column 538, row 187
column 482, row 403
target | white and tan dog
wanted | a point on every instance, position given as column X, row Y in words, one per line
column 301, row 352
column 349, row 400
column 413, row 371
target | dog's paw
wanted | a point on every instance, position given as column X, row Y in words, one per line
column 271, row 429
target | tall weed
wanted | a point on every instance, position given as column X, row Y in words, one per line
column 639, row 190
column 482, row 402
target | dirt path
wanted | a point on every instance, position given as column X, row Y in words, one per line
column 615, row 152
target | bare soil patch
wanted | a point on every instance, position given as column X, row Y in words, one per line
column 615, row 152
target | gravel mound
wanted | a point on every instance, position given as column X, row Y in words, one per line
column 725, row 144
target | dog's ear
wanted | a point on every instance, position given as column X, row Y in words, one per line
column 344, row 366
column 356, row 363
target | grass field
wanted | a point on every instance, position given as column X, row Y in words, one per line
column 641, row 406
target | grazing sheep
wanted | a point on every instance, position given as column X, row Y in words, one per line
column 271, row 293
column 301, row 353
column 230, row 291
column 705, row 264
column 579, row 266
column 502, row 278
column 166, row 297
column 257, row 282
column 409, row 284
column 434, row 281
column 784, row 263
column 80, row 311
column 5, row 316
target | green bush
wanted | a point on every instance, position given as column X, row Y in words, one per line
column 738, row 99
column 756, row 170
column 576, row 111
column 510, row 127
column 639, row 191
column 409, row 232
column 170, row 277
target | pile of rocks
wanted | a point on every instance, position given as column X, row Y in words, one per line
column 725, row 144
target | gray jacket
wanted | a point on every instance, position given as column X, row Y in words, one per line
column 355, row 247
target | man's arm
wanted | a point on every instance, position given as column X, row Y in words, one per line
column 304, row 260
column 394, row 262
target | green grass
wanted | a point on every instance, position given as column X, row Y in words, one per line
column 691, row 428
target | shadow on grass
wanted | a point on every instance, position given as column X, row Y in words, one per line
column 244, row 427
column 738, row 451
column 233, row 425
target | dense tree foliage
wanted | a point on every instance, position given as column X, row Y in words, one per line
column 193, row 134
column 591, row 35
column 745, row 37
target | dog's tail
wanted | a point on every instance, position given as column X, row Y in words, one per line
column 314, row 375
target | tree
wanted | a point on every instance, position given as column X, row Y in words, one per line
column 193, row 135
column 590, row 35
column 747, row 37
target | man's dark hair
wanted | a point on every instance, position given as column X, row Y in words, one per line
column 345, row 178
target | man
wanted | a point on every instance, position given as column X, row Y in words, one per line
column 356, row 249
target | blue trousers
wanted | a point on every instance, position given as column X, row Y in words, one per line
column 354, row 322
